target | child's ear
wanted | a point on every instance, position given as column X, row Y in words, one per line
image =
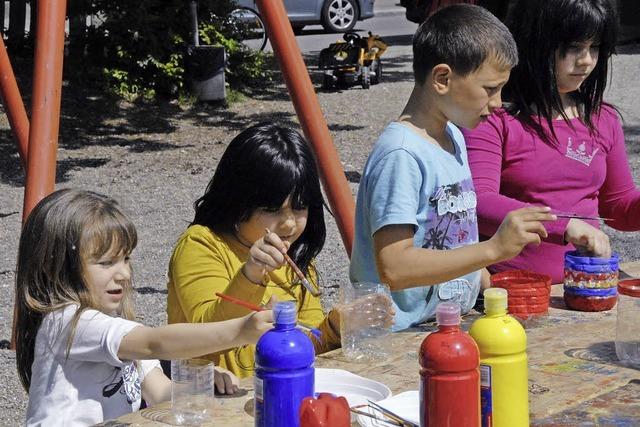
column 441, row 78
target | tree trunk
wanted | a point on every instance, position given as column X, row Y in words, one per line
column 17, row 16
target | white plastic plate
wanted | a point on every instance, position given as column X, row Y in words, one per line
column 405, row 405
column 356, row 389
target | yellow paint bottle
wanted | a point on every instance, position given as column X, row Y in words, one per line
column 504, row 387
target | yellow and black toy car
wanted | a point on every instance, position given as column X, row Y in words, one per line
column 354, row 60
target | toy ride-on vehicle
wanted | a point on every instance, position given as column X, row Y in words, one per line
column 354, row 60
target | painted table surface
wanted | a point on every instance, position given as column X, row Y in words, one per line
column 575, row 378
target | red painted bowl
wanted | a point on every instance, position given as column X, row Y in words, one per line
column 528, row 292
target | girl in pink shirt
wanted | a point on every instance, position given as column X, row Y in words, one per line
column 556, row 143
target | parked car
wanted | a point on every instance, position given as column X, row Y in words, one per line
column 629, row 11
column 337, row 16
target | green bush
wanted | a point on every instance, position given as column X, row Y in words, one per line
column 246, row 68
column 141, row 46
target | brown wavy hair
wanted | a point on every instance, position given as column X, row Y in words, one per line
column 65, row 230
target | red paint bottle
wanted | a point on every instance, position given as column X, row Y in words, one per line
column 450, row 375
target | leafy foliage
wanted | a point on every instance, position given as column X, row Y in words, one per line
column 141, row 46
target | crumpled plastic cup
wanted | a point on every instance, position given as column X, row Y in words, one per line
column 365, row 321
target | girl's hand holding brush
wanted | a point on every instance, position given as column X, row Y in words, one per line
column 270, row 253
column 266, row 254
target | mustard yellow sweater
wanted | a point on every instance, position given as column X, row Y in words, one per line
column 204, row 263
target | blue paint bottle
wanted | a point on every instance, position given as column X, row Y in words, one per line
column 284, row 370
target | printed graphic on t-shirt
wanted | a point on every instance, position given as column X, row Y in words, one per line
column 131, row 382
column 580, row 152
column 451, row 220
column 126, row 378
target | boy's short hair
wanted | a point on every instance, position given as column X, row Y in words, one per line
column 462, row 36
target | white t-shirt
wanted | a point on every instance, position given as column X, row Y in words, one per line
column 92, row 384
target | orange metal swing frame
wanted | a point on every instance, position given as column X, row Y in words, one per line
column 38, row 141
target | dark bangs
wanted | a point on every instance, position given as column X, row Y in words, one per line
column 260, row 168
column 283, row 176
column 586, row 21
column 542, row 27
column 108, row 231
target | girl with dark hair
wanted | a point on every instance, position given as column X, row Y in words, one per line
column 80, row 355
column 263, row 201
column 556, row 143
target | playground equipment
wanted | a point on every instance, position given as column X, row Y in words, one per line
column 310, row 115
column 39, row 155
column 38, row 141
column 351, row 61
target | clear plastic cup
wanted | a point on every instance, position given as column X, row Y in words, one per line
column 365, row 322
column 192, row 391
column 627, row 337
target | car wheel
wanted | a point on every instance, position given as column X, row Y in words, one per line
column 339, row 16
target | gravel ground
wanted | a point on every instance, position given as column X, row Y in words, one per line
column 156, row 160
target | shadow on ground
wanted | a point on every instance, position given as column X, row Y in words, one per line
column 91, row 118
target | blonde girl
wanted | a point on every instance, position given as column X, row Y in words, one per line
column 80, row 355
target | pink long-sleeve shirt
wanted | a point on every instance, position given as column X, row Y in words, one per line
column 584, row 174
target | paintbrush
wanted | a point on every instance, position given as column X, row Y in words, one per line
column 240, row 302
column 592, row 218
column 303, row 279
column 298, row 272
column 314, row 331
column 367, row 414
column 391, row 415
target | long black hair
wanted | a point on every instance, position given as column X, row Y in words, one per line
column 260, row 168
column 542, row 27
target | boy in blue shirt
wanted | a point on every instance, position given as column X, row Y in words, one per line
column 416, row 227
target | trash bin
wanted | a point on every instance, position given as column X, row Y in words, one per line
column 205, row 72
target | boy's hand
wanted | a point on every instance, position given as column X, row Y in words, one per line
column 520, row 228
column 587, row 238
column 485, row 279
column 266, row 255
column 255, row 324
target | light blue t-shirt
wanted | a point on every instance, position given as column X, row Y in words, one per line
column 409, row 180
